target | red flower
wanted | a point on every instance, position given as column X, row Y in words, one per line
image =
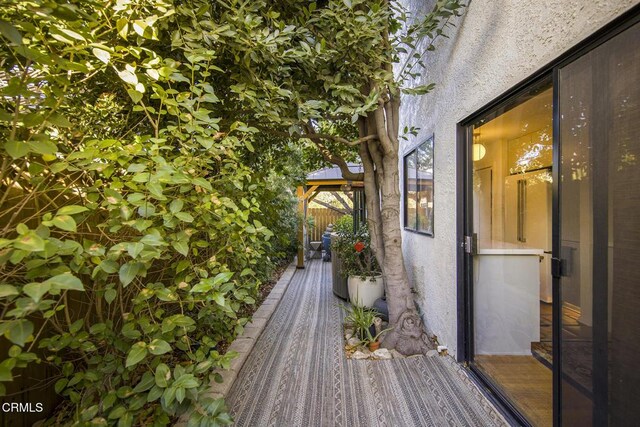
column 359, row 247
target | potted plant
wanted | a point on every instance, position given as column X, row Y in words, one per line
column 359, row 264
column 361, row 320
column 373, row 339
column 366, row 324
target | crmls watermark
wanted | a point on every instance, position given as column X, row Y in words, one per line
column 21, row 407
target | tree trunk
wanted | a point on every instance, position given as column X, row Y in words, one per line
column 382, row 188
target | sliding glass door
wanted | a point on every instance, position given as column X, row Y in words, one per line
column 552, row 240
column 599, row 110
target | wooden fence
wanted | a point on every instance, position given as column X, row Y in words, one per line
column 321, row 218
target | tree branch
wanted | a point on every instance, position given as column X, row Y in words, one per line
column 333, row 208
column 338, row 161
column 381, row 126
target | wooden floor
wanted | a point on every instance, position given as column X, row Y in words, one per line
column 526, row 381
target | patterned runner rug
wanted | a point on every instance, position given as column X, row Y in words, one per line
column 298, row 375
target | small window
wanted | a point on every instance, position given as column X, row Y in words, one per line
column 418, row 189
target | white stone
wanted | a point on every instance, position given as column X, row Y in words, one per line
column 348, row 336
column 353, row 341
column 396, row 354
column 359, row 355
column 382, row 354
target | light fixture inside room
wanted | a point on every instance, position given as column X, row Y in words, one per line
column 478, row 150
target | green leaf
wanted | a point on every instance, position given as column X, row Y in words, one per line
column 43, row 147
column 184, row 216
column 181, row 246
column 134, row 249
column 128, row 77
column 163, row 375
column 136, row 167
column 102, row 55
column 64, row 222
column 5, row 369
column 71, row 210
column 122, row 25
column 10, row 33
column 117, row 412
column 145, row 383
column 203, row 286
column 19, row 331
column 8, row 290
column 203, row 183
column 129, row 271
column 180, row 394
column 89, row 413
column 176, row 206
column 154, row 393
column 60, row 385
column 218, row 298
column 109, row 266
column 36, row 290
column 136, row 354
column 135, row 95
column 65, row 281
column 29, row 242
column 110, row 295
column 222, row 277
column 59, row 120
column 186, row 381
column 16, row 149
column 159, row 347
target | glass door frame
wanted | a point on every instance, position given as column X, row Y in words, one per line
column 466, row 245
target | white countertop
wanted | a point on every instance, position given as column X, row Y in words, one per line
column 510, row 251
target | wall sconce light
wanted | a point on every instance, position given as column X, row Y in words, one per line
column 478, row 150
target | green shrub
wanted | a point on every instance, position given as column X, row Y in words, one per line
column 132, row 234
column 355, row 252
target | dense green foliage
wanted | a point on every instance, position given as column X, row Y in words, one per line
column 137, row 218
column 354, row 250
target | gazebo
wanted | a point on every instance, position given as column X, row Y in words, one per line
column 328, row 179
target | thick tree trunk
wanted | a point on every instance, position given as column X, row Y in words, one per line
column 382, row 188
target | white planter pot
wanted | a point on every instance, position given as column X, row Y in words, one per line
column 365, row 292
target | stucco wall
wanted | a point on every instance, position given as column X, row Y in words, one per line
column 495, row 45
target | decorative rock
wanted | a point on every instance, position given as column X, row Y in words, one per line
column 359, row 355
column 353, row 341
column 348, row 336
column 382, row 354
column 432, row 353
column 396, row 354
column 349, row 331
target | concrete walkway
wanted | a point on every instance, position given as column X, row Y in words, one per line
column 295, row 372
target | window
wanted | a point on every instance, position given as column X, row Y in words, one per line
column 418, row 189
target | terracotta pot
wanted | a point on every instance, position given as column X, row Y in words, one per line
column 373, row 346
column 365, row 292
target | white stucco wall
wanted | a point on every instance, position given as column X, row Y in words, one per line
column 495, row 45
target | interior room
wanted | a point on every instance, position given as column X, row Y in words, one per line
column 512, row 221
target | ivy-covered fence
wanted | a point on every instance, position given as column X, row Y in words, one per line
column 132, row 230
